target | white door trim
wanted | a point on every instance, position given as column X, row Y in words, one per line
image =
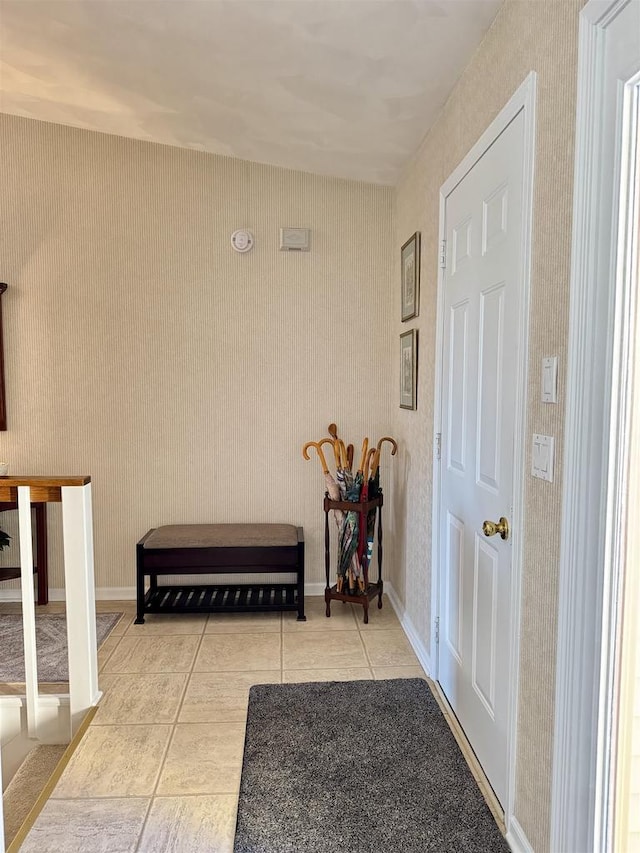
column 524, row 99
column 601, row 326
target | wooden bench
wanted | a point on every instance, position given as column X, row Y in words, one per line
column 213, row 549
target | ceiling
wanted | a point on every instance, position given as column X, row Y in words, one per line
column 339, row 87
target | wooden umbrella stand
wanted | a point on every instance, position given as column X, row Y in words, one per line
column 371, row 589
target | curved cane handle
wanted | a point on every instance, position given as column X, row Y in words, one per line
column 344, row 463
column 365, row 470
column 392, row 441
column 318, row 447
column 336, row 452
column 349, row 456
column 363, row 454
column 375, row 463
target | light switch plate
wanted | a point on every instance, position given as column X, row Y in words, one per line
column 550, row 379
column 542, row 464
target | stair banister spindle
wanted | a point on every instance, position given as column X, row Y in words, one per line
column 28, row 609
column 77, row 530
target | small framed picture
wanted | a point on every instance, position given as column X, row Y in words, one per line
column 408, row 369
column 410, row 264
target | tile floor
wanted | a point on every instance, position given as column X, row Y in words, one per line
column 159, row 767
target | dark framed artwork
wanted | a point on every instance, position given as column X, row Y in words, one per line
column 408, row 369
column 410, row 273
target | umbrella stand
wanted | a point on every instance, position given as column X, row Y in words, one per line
column 372, row 590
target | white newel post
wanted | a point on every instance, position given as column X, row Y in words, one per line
column 81, row 601
column 28, row 609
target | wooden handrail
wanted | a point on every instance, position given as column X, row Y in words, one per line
column 44, row 489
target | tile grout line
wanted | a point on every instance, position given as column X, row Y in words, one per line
column 171, row 736
column 281, row 655
column 366, row 652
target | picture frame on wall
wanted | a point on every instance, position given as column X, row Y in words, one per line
column 408, row 369
column 410, row 273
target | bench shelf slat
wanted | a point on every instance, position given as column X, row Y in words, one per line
column 165, row 599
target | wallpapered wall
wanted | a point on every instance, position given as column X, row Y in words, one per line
column 542, row 36
column 183, row 377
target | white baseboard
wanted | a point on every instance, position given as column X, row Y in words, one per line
column 410, row 630
column 113, row 593
column 517, row 839
column 16, row 595
column 10, row 595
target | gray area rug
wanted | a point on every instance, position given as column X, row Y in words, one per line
column 357, row 767
column 51, row 644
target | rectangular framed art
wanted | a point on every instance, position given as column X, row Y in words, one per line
column 410, row 265
column 408, row 369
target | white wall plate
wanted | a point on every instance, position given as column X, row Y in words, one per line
column 542, row 463
column 294, row 239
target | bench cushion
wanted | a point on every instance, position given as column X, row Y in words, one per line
column 223, row 536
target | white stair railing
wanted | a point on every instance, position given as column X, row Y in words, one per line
column 75, row 495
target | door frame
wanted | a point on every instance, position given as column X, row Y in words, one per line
column 523, row 100
column 601, row 328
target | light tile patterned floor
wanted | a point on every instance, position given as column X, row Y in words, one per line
column 159, row 767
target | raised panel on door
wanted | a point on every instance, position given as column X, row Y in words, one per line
column 485, row 614
column 457, row 383
column 490, row 351
column 455, row 568
column 461, row 245
column 494, row 218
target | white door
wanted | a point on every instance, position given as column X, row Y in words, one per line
column 481, row 291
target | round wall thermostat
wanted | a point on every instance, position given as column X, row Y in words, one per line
column 242, row 240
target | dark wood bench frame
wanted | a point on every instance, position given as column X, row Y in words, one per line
column 41, row 567
column 220, row 598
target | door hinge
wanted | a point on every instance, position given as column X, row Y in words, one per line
column 443, row 254
column 438, row 446
column 437, row 629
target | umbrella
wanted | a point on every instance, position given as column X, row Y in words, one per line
column 349, row 530
column 333, row 490
column 332, row 486
column 343, row 473
column 364, row 497
column 373, row 490
column 394, row 450
column 343, row 462
column 332, row 429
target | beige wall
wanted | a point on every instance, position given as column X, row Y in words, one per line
column 540, row 35
column 141, row 349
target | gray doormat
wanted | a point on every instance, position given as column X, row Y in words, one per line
column 357, row 767
column 51, row 644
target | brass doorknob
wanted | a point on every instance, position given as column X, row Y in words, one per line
column 490, row 528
